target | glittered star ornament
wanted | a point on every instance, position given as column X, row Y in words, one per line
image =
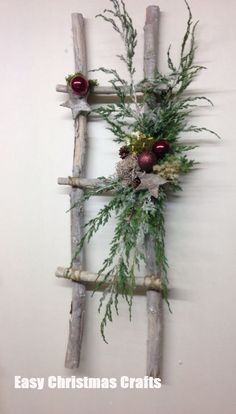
column 150, row 182
column 78, row 105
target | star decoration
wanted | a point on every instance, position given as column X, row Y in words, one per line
column 78, row 105
column 150, row 182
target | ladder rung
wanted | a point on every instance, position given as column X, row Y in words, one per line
column 98, row 90
column 152, row 282
column 82, row 183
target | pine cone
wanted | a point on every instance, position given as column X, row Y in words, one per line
column 136, row 182
column 124, row 152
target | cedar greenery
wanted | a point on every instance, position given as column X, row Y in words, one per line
column 138, row 214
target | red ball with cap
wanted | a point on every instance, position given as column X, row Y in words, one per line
column 79, row 85
column 160, row 148
column 146, row 160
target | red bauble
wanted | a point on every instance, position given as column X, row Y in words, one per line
column 160, row 148
column 146, row 160
column 79, row 85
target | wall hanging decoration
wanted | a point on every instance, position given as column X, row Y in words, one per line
column 147, row 119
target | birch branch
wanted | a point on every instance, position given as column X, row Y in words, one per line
column 82, row 183
column 97, row 90
column 154, row 298
column 148, row 282
column 76, row 323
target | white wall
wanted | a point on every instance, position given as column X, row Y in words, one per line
column 36, row 147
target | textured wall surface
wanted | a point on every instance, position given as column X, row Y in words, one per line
column 36, row 147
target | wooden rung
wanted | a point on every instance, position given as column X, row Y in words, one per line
column 82, row 183
column 97, row 90
column 147, row 283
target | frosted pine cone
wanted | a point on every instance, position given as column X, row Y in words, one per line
column 127, row 170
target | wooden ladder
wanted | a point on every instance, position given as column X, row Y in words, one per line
column 82, row 279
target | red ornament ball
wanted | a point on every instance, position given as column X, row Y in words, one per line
column 79, row 85
column 146, row 160
column 160, row 148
